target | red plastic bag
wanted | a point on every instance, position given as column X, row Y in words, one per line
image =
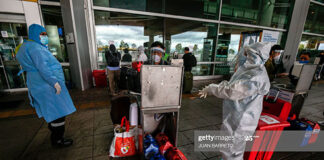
column 174, row 154
column 164, row 143
column 124, row 141
column 137, row 66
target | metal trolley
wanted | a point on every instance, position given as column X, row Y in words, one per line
column 161, row 90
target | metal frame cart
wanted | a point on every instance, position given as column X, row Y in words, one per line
column 161, row 90
column 297, row 95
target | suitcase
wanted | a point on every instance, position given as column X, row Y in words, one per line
column 119, row 108
column 129, row 80
column 187, row 82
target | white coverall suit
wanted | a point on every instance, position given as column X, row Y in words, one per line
column 243, row 98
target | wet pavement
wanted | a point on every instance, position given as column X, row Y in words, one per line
column 24, row 136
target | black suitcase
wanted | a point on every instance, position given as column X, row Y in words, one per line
column 129, row 80
column 119, row 108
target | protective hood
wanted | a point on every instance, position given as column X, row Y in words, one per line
column 257, row 53
column 140, row 49
column 112, row 48
column 34, row 31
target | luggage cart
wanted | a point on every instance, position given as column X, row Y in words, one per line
column 161, row 90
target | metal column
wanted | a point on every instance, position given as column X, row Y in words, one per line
column 296, row 29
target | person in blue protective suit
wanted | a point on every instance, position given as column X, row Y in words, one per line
column 45, row 81
column 243, row 98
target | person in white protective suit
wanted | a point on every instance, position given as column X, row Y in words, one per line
column 243, row 98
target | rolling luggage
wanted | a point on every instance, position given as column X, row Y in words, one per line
column 187, row 82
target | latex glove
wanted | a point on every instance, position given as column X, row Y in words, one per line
column 58, row 88
column 203, row 93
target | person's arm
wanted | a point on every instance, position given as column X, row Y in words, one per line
column 40, row 61
column 234, row 91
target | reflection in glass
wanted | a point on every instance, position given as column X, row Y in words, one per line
column 270, row 13
column 314, row 21
column 12, row 35
column 202, row 70
column 312, row 44
column 52, row 16
column 139, row 5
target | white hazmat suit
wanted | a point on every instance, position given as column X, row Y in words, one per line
column 243, row 98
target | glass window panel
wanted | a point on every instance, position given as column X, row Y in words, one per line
column 312, row 44
column 13, row 35
column 202, row 70
column 208, row 9
column 200, row 37
column 52, row 17
column 139, row 5
column 315, row 21
column 270, row 13
column 126, row 31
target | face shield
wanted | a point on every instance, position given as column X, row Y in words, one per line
column 277, row 56
column 156, row 54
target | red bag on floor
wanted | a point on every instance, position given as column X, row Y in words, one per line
column 164, row 143
column 174, row 154
column 124, row 141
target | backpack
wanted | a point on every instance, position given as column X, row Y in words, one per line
column 193, row 60
column 113, row 60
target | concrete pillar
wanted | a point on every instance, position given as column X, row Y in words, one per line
column 267, row 12
column 74, row 20
column 295, row 32
column 32, row 12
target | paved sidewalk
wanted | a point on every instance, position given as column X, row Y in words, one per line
column 27, row 137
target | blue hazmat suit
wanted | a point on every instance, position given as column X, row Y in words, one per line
column 243, row 98
column 43, row 72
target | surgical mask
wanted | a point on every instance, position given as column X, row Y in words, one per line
column 276, row 60
column 156, row 58
column 44, row 39
column 303, row 62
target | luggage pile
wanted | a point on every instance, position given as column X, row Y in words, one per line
column 161, row 148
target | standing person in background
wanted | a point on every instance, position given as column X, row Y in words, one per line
column 126, row 57
column 113, row 60
column 274, row 66
column 45, row 81
column 157, row 52
column 189, row 61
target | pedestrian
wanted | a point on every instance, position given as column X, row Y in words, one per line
column 157, row 53
column 274, row 64
column 46, row 85
column 243, row 97
column 189, row 61
column 113, row 61
column 126, row 57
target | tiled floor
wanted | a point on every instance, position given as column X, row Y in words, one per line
column 25, row 136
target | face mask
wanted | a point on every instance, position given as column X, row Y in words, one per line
column 156, row 58
column 303, row 62
column 276, row 60
column 44, row 39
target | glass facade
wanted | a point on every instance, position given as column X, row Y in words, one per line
column 53, row 21
column 212, row 46
column 312, row 44
column 314, row 22
column 52, row 17
column 208, row 9
column 12, row 34
column 270, row 13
